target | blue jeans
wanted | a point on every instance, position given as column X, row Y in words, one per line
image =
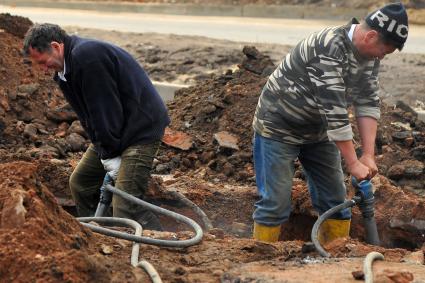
column 274, row 170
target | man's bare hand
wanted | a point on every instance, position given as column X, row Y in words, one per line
column 359, row 170
column 369, row 161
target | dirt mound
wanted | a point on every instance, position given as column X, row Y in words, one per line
column 15, row 25
column 29, row 103
column 39, row 241
column 223, row 104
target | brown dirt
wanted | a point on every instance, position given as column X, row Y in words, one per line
column 40, row 241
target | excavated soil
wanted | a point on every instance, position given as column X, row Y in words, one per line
column 41, row 142
column 40, row 242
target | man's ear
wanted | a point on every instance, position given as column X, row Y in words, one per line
column 371, row 36
column 55, row 45
column 58, row 47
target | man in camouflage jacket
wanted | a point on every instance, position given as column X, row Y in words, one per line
column 302, row 113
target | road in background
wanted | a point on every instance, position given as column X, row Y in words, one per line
column 255, row 30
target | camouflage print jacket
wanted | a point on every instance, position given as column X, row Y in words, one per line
column 305, row 100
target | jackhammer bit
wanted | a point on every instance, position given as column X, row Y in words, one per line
column 105, row 196
column 365, row 200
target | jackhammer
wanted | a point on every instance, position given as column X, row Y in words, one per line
column 365, row 200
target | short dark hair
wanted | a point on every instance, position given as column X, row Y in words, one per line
column 382, row 38
column 39, row 37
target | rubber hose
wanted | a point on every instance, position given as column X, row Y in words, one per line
column 137, row 237
column 206, row 221
column 367, row 265
column 323, row 217
column 140, row 239
column 135, row 251
column 153, row 274
column 195, row 226
column 149, row 269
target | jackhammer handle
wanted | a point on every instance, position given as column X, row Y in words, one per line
column 364, row 188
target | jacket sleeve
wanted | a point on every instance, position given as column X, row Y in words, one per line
column 365, row 98
column 326, row 76
column 102, row 100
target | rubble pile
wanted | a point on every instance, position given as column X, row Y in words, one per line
column 217, row 115
column 401, row 147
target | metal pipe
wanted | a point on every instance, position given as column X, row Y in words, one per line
column 323, row 217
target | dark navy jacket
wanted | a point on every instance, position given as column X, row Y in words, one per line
column 112, row 95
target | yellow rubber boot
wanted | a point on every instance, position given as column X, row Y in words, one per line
column 269, row 234
column 332, row 229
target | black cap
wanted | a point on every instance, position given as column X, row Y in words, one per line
column 391, row 21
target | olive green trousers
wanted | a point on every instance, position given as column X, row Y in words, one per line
column 133, row 178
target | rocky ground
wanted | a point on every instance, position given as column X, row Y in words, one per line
column 206, row 156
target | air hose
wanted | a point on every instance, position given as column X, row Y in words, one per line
column 140, row 239
column 365, row 200
column 323, row 217
column 107, row 190
column 115, row 221
column 367, row 265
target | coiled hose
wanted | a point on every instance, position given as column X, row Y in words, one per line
column 140, row 239
column 323, row 217
column 137, row 237
column 367, row 265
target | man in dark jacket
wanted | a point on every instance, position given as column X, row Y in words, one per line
column 117, row 106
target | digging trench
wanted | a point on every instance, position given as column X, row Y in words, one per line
column 230, row 211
